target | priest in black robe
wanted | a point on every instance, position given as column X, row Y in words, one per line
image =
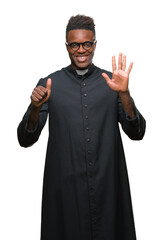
column 86, row 194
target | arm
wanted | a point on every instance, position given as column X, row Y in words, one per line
column 35, row 117
column 131, row 120
column 127, row 103
column 133, row 127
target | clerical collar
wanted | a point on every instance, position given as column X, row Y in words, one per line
column 91, row 69
column 82, row 72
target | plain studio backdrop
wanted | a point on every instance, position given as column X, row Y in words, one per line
column 33, row 46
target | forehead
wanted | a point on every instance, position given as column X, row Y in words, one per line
column 80, row 35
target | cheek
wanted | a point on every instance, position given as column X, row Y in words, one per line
column 72, row 58
column 91, row 55
column 71, row 55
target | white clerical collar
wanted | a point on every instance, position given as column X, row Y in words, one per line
column 82, row 72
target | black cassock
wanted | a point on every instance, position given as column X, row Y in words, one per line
column 86, row 194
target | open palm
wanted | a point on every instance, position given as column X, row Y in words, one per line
column 120, row 77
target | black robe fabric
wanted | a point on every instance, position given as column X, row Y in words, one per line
column 86, row 194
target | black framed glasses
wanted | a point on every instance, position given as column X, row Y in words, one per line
column 75, row 45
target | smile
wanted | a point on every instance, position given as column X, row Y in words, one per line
column 81, row 58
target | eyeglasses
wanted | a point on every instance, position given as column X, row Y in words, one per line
column 75, row 45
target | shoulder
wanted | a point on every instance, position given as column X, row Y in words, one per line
column 55, row 75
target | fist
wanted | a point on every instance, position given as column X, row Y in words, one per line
column 41, row 94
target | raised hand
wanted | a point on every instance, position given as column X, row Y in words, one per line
column 120, row 77
column 41, row 94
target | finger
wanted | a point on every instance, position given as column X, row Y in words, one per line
column 34, row 98
column 48, row 84
column 120, row 61
column 106, row 77
column 124, row 63
column 41, row 91
column 113, row 63
column 130, row 67
column 36, row 94
column 48, row 87
column 108, row 80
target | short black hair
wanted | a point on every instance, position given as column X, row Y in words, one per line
column 80, row 22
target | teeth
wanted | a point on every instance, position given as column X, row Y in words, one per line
column 81, row 58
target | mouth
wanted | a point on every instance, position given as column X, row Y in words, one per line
column 82, row 59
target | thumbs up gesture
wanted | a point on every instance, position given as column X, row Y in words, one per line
column 41, row 94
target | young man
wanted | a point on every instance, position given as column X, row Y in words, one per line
column 86, row 193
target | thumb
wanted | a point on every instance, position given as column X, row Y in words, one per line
column 48, row 84
column 48, row 87
column 109, row 81
column 106, row 77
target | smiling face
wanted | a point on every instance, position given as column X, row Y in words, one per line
column 81, row 58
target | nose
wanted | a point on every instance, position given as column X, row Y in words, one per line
column 81, row 49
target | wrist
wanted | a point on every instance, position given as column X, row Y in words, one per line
column 127, row 103
column 35, row 108
column 121, row 93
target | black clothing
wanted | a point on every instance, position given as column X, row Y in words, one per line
column 86, row 193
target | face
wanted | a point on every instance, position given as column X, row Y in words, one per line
column 81, row 59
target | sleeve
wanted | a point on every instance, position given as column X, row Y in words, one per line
column 133, row 127
column 27, row 137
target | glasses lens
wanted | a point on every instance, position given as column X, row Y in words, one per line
column 74, row 46
column 87, row 45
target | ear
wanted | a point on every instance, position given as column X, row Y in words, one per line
column 95, row 43
column 66, row 45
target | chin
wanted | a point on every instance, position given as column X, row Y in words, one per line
column 81, row 66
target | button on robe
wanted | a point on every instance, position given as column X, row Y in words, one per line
column 86, row 194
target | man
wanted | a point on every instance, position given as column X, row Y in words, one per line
column 86, row 193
